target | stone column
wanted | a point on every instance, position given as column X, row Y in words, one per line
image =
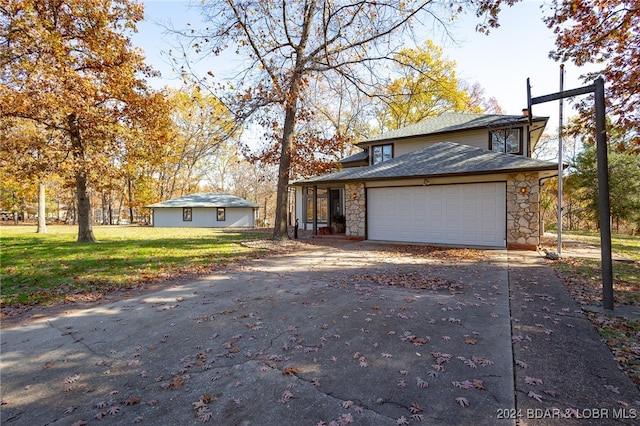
column 355, row 211
column 523, row 211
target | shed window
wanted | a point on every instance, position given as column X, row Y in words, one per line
column 506, row 140
column 186, row 214
column 220, row 217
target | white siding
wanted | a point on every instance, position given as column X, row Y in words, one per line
column 465, row 214
column 476, row 138
column 235, row 217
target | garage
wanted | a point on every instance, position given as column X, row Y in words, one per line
column 471, row 214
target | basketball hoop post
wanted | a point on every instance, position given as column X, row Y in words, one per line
column 604, row 208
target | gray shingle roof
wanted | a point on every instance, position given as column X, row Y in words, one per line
column 360, row 156
column 451, row 122
column 437, row 160
column 205, row 199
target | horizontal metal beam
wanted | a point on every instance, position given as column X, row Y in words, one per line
column 564, row 94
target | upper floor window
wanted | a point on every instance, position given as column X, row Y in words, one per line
column 382, row 153
column 506, row 140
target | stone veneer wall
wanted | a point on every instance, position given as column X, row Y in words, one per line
column 355, row 210
column 523, row 211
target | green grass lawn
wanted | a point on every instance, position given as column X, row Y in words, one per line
column 47, row 268
column 625, row 245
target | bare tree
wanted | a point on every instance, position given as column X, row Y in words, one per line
column 289, row 45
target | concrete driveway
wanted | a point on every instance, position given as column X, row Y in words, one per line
column 353, row 334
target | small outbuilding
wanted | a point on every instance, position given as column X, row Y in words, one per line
column 205, row 210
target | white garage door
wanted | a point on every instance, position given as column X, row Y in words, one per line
column 466, row 214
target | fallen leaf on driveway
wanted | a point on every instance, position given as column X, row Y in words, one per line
column 532, row 381
column 535, row 396
column 415, row 408
column 290, row 371
column 462, row 401
column 402, row 421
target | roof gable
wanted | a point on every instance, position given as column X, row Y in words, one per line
column 438, row 160
column 205, row 199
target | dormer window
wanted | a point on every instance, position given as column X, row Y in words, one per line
column 506, row 140
column 381, row 153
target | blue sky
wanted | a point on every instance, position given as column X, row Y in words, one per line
column 500, row 62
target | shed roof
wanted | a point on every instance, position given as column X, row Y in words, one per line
column 205, row 199
column 438, row 160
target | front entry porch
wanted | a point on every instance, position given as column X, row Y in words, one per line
column 320, row 210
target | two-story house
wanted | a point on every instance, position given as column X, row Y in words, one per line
column 458, row 179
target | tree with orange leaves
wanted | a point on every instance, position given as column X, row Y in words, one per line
column 69, row 66
column 600, row 32
column 603, row 32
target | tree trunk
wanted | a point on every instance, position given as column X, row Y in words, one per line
column 42, row 212
column 103, row 199
column 120, row 208
column 280, row 229
column 85, row 231
column 130, row 189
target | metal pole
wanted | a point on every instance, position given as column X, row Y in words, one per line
column 529, row 103
column 603, row 197
column 560, row 168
